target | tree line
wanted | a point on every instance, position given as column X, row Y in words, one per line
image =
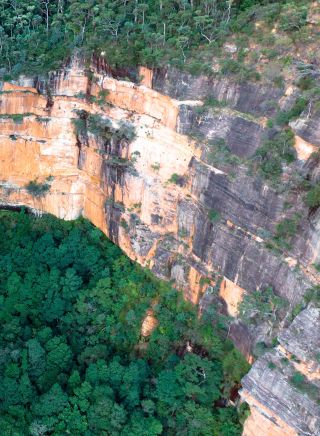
column 36, row 36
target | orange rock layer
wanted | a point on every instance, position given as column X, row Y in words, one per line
column 38, row 141
column 262, row 422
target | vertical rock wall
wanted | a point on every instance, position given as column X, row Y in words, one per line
column 160, row 196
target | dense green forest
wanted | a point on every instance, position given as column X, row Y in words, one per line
column 36, row 36
column 72, row 358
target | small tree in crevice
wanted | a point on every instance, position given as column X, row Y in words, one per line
column 37, row 189
column 176, row 179
column 260, row 306
column 213, row 215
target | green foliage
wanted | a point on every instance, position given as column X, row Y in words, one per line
column 260, row 349
column 213, row 102
column 37, row 189
column 234, row 368
column 124, row 224
column 43, row 119
column 270, row 123
column 73, row 360
column 126, row 131
column 219, row 154
column 300, row 382
column 284, row 117
column 210, row 102
column 297, row 309
column 176, row 179
column 305, row 83
column 102, row 128
column 81, row 95
column 118, row 161
column 260, row 306
column 213, row 215
column 38, row 36
column 183, row 233
column 16, row 118
column 231, row 66
column 285, row 230
column 274, row 152
column 107, row 136
column 297, row 378
column 313, row 295
column 313, row 196
column 99, row 126
column 293, row 16
column 102, row 94
column 244, row 412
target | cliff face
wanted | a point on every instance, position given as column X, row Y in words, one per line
column 160, row 195
column 283, row 386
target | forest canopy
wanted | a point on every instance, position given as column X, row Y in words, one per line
column 37, row 36
column 73, row 360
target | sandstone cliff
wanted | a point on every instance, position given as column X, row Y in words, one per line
column 283, row 386
column 133, row 158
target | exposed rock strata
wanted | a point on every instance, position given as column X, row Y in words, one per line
column 246, row 97
column 240, row 134
column 124, row 187
column 278, row 405
column 164, row 225
column 308, row 127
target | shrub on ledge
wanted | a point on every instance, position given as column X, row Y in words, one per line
column 37, row 189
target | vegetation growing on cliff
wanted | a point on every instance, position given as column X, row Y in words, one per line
column 274, row 153
column 176, row 179
column 213, row 215
column 300, row 382
column 285, row 231
column 38, row 189
column 219, row 154
column 73, row 360
column 102, row 128
column 261, row 306
column 313, row 196
column 16, row 118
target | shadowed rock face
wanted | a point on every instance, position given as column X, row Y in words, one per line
column 158, row 196
column 269, row 389
column 242, row 136
column 249, row 203
column 250, row 98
